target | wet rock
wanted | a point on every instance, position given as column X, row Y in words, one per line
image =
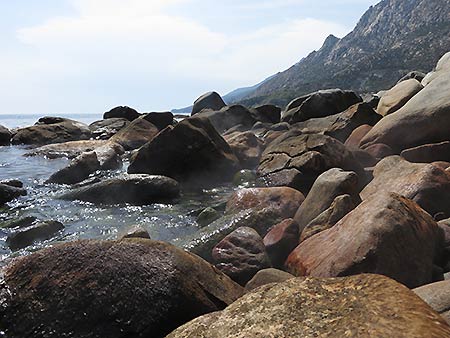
column 356, row 136
column 247, row 148
column 123, row 112
column 341, row 125
column 428, row 153
column 109, row 156
column 241, row 254
column 337, row 307
column 12, row 183
column 136, row 134
column 133, row 288
column 271, row 112
column 192, row 150
column 26, row 237
column 160, row 120
column 267, row 276
column 426, row 184
column 210, row 100
column 326, row 188
column 105, row 129
column 204, row 240
column 70, row 149
column 387, row 234
column 426, row 114
column 19, row 223
column 244, row 177
column 9, row 193
column 437, row 296
column 5, row 136
column 340, row 207
column 296, row 160
column 133, row 189
column 281, row 240
column 52, row 130
column 396, row 97
column 207, row 216
column 136, row 232
column 285, row 201
column 319, row 104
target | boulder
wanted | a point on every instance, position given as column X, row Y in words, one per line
column 341, row 125
column 426, row 114
column 357, row 135
column 191, row 150
column 419, row 76
column 5, row 136
column 13, row 183
column 70, row 149
column 319, row 104
column 437, row 296
column 27, row 236
column 396, row 97
column 280, row 241
column 241, row 254
column 267, row 276
column 426, row 184
column 136, row 134
column 428, row 153
column 18, row 223
column 271, row 112
column 379, row 151
column 296, row 160
column 231, row 118
column 247, row 148
column 160, row 120
column 210, row 100
column 326, row 188
column 136, row 232
column 357, row 306
column 387, row 234
column 9, row 193
column 127, row 288
column 285, row 201
column 207, row 216
column 133, row 189
column 340, row 207
column 105, row 129
column 122, row 112
column 52, row 130
column 442, row 67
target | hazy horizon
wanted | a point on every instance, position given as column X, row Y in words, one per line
column 87, row 56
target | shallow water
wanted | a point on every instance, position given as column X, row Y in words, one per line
column 84, row 220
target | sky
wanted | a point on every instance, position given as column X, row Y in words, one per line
column 87, row 56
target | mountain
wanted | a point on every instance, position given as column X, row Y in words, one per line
column 391, row 39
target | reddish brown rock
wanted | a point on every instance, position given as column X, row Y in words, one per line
column 356, row 136
column 281, row 240
column 285, row 201
column 241, row 254
column 428, row 153
column 247, row 148
column 388, row 235
column 426, row 184
column 379, row 151
column 136, row 134
column 267, row 276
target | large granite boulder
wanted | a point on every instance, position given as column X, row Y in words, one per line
column 127, row 288
column 136, row 134
column 426, row 184
column 122, row 112
column 442, row 67
column 211, row 100
column 247, row 147
column 296, row 160
column 105, row 129
column 241, row 254
column 191, row 150
column 422, row 120
column 69, row 149
column 319, row 104
column 326, row 188
column 341, row 125
column 5, row 136
column 52, row 130
column 160, row 119
column 428, row 153
column 358, row 306
column 270, row 112
column 133, row 189
column 9, row 192
column 387, row 234
column 396, row 97
column 285, row 201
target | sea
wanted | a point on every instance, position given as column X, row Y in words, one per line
column 82, row 220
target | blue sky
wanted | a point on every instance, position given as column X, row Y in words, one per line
column 86, row 56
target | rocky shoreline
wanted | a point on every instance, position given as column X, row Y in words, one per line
column 340, row 225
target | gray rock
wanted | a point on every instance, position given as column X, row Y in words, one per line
column 267, row 276
column 122, row 112
column 210, row 100
column 5, row 136
column 9, row 193
column 40, row 231
column 207, row 216
column 105, row 129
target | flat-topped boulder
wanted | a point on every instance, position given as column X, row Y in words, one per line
column 132, row 287
column 52, row 130
column 123, row 112
column 357, row 306
column 192, row 149
column 69, row 149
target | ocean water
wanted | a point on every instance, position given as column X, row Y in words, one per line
column 25, row 120
column 83, row 220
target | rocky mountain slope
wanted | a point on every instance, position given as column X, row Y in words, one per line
column 391, row 39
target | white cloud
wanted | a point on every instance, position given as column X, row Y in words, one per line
column 134, row 42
